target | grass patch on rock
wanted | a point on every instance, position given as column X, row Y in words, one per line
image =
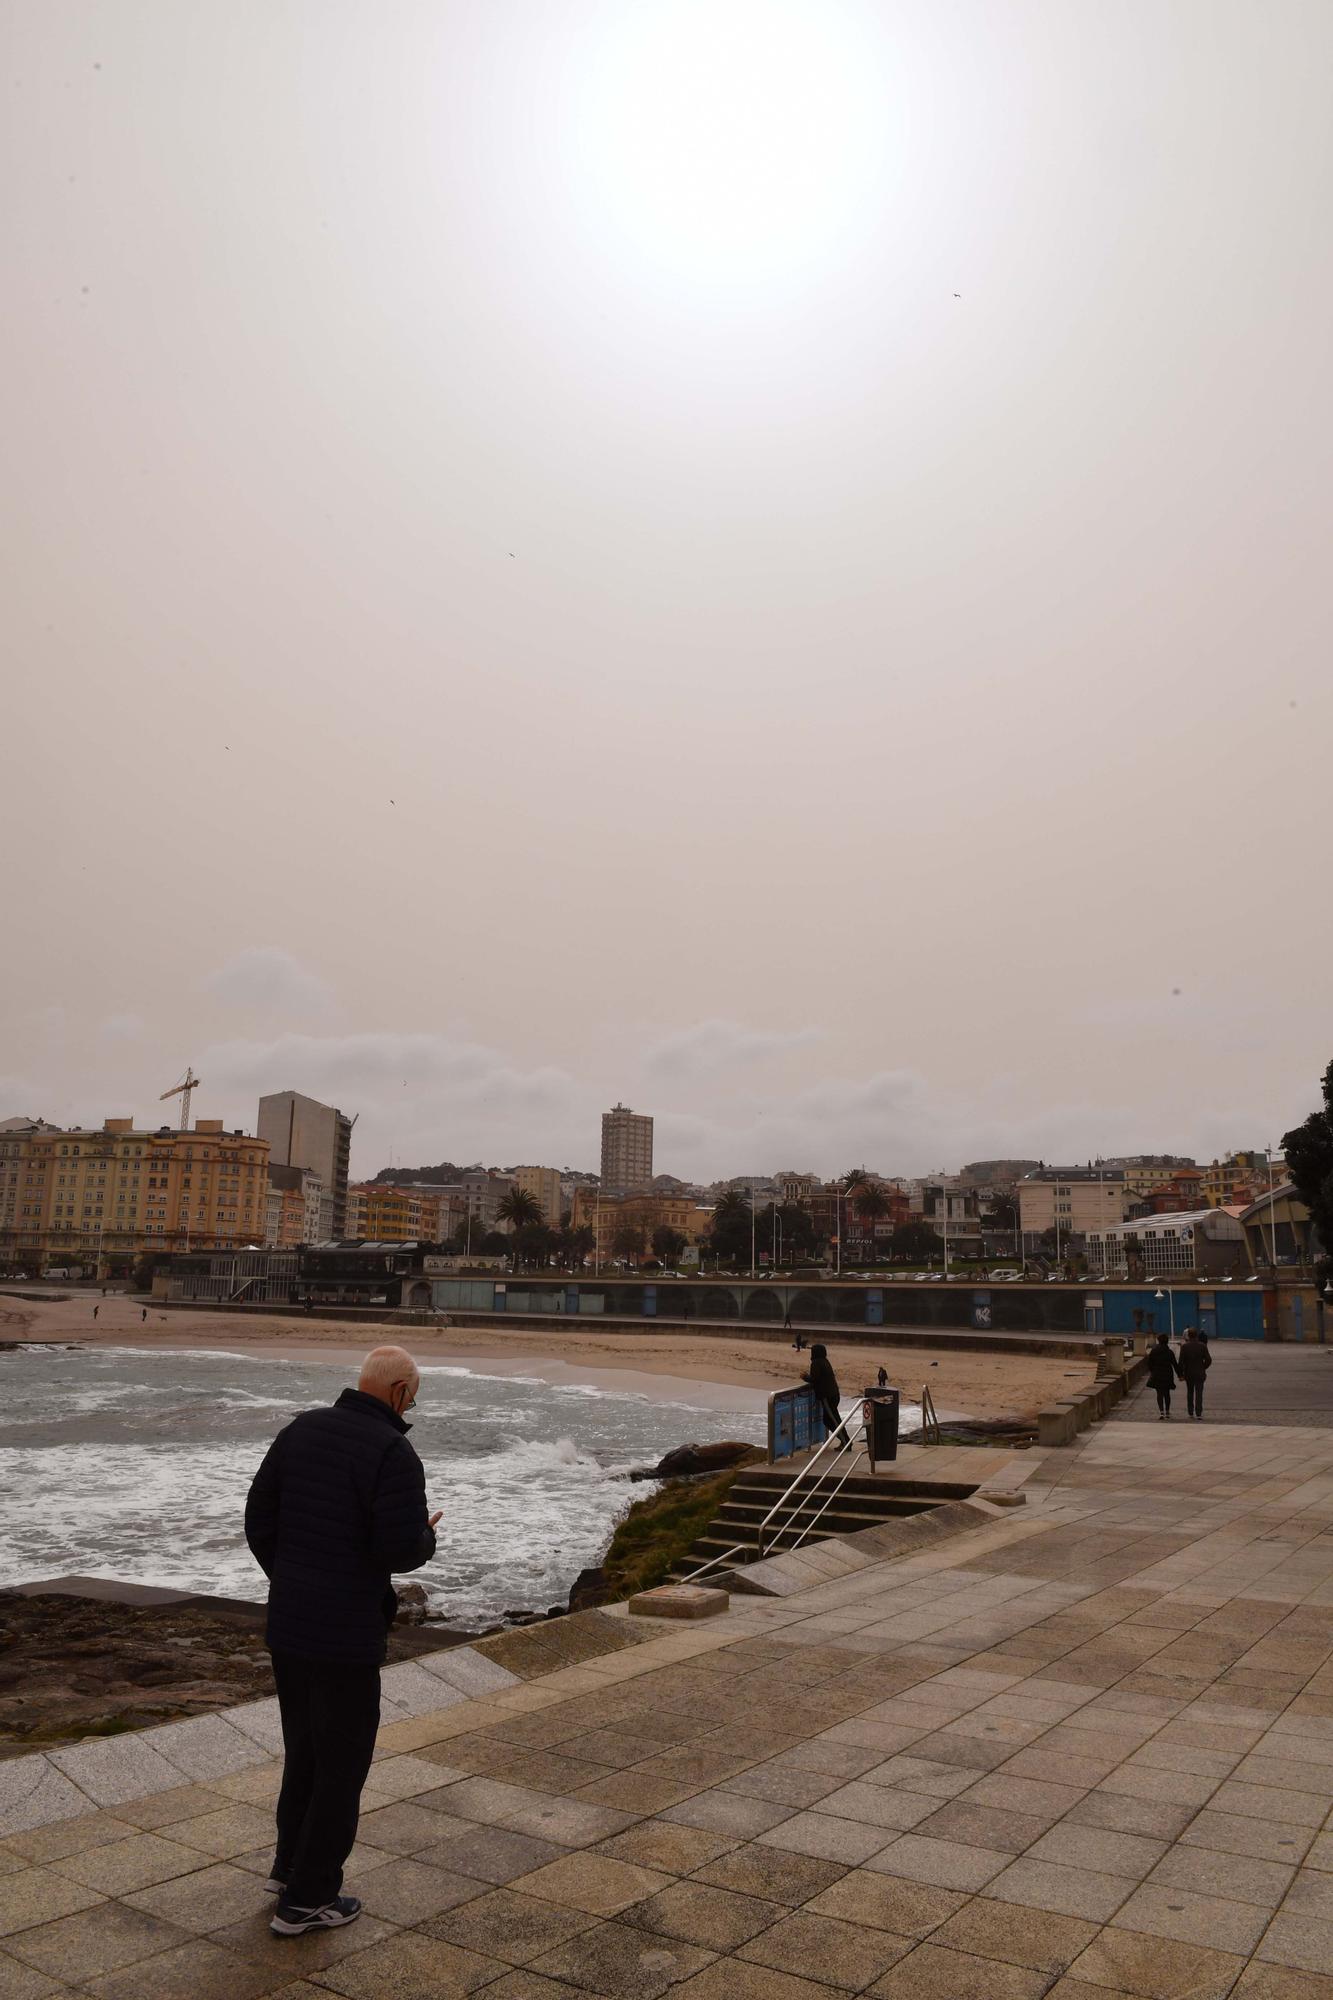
column 657, row 1533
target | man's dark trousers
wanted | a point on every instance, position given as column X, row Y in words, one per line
column 329, row 1718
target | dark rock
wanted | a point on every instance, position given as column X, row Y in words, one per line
column 413, row 1606
column 687, row 1459
column 589, row 1589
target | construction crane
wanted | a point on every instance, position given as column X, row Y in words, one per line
column 189, row 1082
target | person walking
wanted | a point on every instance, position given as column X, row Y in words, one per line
column 143, row 1317
column 824, row 1382
column 1193, row 1363
column 1162, row 1373
column 883, row 1378
column 337, row 1506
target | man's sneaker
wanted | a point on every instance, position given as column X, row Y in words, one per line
column 288, row 1921
column 275, row 1886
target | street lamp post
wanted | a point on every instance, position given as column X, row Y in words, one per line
column 944, row 1193
column 1272, row 1217
column 1170, row 1298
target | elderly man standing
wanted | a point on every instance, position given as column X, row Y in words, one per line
column 337, row 1506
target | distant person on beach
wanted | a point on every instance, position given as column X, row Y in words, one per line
column 824, row 1382
column 883, row 1378
column 96, row 1310
column 143, row 1317
column 1162, row 1373
column 338, row 1505
column 1193, row 1363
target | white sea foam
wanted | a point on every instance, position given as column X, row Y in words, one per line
column 120, row 1462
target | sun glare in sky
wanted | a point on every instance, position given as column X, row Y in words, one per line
column 731, row 143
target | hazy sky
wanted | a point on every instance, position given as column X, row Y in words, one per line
column 765, row 558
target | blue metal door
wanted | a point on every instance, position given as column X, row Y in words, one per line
column 1240, row 1315
column 1094, row 1319
column 650, row 1302
column 874, row 1308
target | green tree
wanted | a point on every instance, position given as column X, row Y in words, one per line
column 871, row 1205
column 1309, row 1153
column 520, row 1210
column 912, row 1242
column 629, row 1240
column 854, row 1178
column 730, row 1235
column 668, row 1243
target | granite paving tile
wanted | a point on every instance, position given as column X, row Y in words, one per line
column 169, row 1808
column 1157, row 1968
column 787, row 1785
column 229, row 1831
column 205, row 1746
column 658, row 1843
column 623, row 1962
column 1193, row 1918
column 205, row 1901
column 920, row 1774
column 724, row 1811
column 37, row 1896
column 132, row 1863
column 1269, row 1802
column 45, row 1844
column 947, row 1864
column 199, row 1969
column 718, row 1919
column 1041, row 1939
column 95, row 1941
column 844, row 1954
column 781, row 1877
column 931, row 1972
column 406, row 1827
column 1099, row 1848
column 405, row 1777
column 889, row 1903
column 112, row 1769
column 23, row 1982
column 831, row 1839
column 1282, row 1982
column 733, row 1979
column 1241, row 1878
column 493, row 1854
column 879, row 1805
column 1116, row 1813
column 251, row 1938
column 409, row 1967
column 403, row 1891
column 507, row 1925
column 984, row 1826
column 1071, row 1892
column 34, row 1793
column 592, row 1882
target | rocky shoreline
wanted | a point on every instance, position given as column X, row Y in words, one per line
column 77, row 1666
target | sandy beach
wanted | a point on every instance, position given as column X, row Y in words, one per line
column 721, row 1373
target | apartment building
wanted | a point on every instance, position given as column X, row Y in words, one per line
column 299, row 1208
column 606, row 1216
column 543, row 1184
column 302, row 1132
column 101, row 1196
column 1072, row 1201
column 627, row 1151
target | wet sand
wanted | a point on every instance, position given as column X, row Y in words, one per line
column 720, row 1373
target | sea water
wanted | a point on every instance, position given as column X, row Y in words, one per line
column 128, row 1463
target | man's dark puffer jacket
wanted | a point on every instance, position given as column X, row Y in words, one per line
column 337, row 1506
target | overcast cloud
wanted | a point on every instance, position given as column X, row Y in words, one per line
column 766, row 559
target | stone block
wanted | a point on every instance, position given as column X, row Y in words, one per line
column 1057, row 1425
column 679, row 1600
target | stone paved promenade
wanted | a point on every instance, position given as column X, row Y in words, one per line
column 1082, row 1750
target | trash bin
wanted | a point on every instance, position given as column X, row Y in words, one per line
column 879, row 1412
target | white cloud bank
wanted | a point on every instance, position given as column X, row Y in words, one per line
column 265, row 979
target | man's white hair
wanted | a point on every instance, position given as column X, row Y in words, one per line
column 385, row 1366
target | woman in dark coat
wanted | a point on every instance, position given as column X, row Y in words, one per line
column 1162, row 1373
column 1193, row 1364
column 824, row 1382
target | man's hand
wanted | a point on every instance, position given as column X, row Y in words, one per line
column 434, row 1518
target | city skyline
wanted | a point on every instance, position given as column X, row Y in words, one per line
column 770, row 568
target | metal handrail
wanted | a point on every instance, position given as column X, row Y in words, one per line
column 858, row 1453
column 930, row 1423
column 744, row 1548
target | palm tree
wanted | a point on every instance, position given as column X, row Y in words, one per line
column 871, row 1205
column 519, row 1209
column 854, row 1178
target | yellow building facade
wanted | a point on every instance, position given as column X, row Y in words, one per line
column 93, row 1198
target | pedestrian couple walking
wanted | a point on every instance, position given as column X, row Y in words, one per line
column 337, row 1506
column 1190, row 1366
